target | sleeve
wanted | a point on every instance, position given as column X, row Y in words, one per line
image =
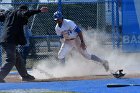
column 74, row 27
column 29, row 13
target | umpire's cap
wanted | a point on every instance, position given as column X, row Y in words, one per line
column 24, row 7
column 57, row 15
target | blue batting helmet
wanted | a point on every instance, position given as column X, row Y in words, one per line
column 57, row 15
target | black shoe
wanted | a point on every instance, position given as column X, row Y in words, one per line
column 2, row 81
column 28, row 78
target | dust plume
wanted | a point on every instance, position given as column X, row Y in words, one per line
column 76, row 65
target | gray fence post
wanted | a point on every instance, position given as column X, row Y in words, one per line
column 113, row 25
column 60, row 5
column 0, row 44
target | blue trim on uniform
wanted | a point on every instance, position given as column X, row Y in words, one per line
column 77, row 29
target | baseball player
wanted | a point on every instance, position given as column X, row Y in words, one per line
column 71, row 37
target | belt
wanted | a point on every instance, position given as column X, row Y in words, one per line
column 70, row 39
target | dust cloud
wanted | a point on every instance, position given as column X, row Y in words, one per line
column 98, row 44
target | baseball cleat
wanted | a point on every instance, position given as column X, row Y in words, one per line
column 106, row 65
column 28, row 78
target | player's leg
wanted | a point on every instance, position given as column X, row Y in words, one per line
column 105, row 63
column 66, row 47
column 85, row 54
column 10, row 50
column 21, row 67
column 25, row 52
column 95, row 58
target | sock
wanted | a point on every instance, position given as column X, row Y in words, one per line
column 95, row 58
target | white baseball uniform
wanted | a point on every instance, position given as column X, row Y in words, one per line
column 68, row 31
column 71, row 39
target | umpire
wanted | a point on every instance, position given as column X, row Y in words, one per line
column 12, row 36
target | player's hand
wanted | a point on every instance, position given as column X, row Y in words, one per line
column 62, row 40
column 83, row 46
column 44, row 9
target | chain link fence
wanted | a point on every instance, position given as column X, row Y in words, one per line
column 43, row 42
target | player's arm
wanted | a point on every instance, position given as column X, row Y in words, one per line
column 80, row 34
column 60, row 35
column 61, row 38
column 75, row 28
column 2, row 16
column 29, row 13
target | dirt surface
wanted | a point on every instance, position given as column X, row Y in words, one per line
column 17, row 78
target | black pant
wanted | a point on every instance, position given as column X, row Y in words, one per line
column 13, row 58
column 24, row 51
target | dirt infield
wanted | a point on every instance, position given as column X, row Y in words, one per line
column 17, row 78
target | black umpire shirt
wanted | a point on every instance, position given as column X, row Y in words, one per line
column 14, row 21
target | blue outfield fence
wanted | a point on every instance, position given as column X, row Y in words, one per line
column 131, row 25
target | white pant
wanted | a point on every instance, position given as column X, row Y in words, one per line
column 67, row 46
